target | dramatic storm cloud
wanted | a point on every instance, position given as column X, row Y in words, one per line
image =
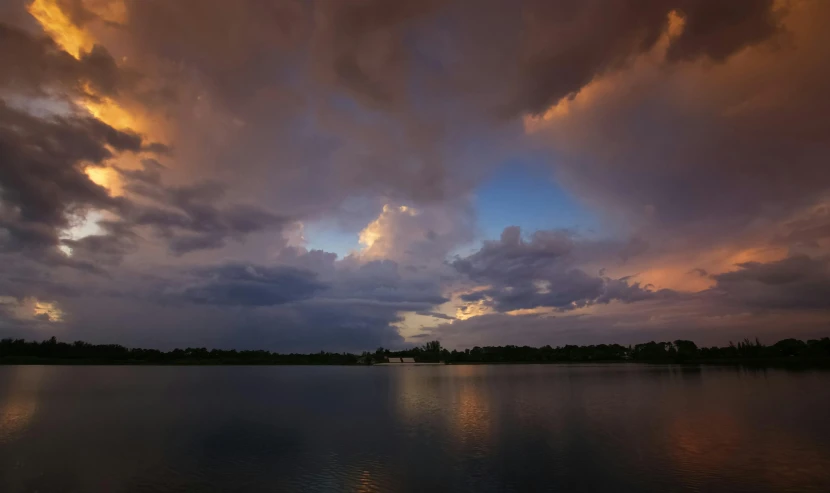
column 540, row 273
column 306, row 175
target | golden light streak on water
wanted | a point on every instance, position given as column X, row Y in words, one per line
column 19, row 404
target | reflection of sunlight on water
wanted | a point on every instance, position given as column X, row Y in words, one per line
column 429, row 398
column 336, row 472
column 445, row 411
column 703, row 448
column 366, row 484
column 18, row 404
column 717, row 444
column 415, row 398
column 471, row 418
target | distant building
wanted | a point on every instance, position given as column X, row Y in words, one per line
column 400, row 361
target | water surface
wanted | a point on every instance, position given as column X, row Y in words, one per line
column 439, row 428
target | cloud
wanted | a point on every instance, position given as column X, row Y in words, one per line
column 382, row 280
column 631, row 324
column 37, row 65
column 567, row 46
column 405, row 100
column 248, row 285
column 796, row 282
column 695, row 129
column 438, row 315
column 525, row 56
column 108, row 248
column 188, row 218
column 25, row 278
column 417, row 237
column 541, row 272
column 700, row 147
column 809, row 228
column 42, row 178
column 718, row 30
column 44, row 183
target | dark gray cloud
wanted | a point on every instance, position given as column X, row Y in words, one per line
column 22, row 278
column 43, row 183
column 438, row 315
column 107, row 248
column 44, row 186
column 719, row 29
column 190, row 217
column 306, row 326
column 745, row 145
column 242, row 305
column 567, row 44
column 372, row 49
column 308, row 298
column 401, row 99
column 369, row 282
column 541, row 272
column 528, row 54
column 42, row 179
column 810, row 230
column 382, row 280
column 36, row 65
column 248, row 285
column 796, row 282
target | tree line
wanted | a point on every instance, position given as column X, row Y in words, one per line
column 680, row 351
column 80, row 352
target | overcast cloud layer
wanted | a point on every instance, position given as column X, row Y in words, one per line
column 160, row 163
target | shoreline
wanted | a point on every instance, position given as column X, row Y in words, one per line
column 761, row 363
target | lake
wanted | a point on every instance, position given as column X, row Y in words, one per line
column 421, row 429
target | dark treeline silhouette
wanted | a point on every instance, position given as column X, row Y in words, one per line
column 679, row 351
column 50, row 350
column 814, row 351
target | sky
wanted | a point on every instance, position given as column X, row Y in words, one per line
column 305, row 175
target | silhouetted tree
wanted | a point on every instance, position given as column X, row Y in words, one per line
column 787, row 350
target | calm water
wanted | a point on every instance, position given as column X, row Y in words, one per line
column 454, row 428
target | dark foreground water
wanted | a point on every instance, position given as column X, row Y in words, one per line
column 421, row 429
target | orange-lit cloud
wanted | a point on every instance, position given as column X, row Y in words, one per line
column 381, row 229
column 73, row 39
column 466, row 310
column 691, row 271
column 76, row 40
column 606, row 85
column 109, row 112
column 105, row 177
column 31, row 308
column 49, row 310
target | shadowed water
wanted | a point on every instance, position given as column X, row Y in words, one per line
column 441, row 428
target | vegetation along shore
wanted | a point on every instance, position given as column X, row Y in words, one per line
column 814, row 352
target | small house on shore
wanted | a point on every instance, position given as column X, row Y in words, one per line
column 398, row 360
